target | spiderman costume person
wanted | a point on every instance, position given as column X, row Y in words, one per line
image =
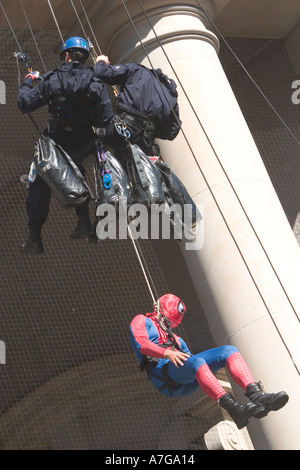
column 176, row 372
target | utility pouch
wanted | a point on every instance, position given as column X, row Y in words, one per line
column 145, row 179
column 176, row 193
column 61, row 174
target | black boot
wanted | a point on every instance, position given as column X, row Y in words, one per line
column 238, row 412
column 34, row 244
column 83, row 229
column 265, row 402
column 84, row 226
column 93, row 237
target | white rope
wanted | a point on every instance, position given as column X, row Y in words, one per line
column 11, row 28
column 90, row 26
column 33, row 37
column 141, row 264
column 56, row 22
column 78, row 19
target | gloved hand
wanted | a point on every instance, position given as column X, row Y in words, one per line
column 33, row 75
column 100, row 132
column 104, row 58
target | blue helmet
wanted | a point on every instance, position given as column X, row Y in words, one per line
column 76, row 43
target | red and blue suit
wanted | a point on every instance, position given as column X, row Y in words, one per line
column 149, row 341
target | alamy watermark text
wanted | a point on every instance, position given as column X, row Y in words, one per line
column 160, row 221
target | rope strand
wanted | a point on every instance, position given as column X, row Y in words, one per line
column 78, row 19
column 33, row 37
column 90, row 26
column 11, row 28
column 56, row 22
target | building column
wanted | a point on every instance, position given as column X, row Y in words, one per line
column 247, row 271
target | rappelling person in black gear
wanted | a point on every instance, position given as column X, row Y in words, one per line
column 77, row 102
column 146, row 102
column 147, row 107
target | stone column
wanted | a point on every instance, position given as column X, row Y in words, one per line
column 247, row 272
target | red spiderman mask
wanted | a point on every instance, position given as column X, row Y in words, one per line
column 173, row 308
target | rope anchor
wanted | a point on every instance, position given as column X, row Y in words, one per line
column 22, row 56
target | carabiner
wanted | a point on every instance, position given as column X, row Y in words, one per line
column 106, row 178
column 122, row 129
column 22, row 56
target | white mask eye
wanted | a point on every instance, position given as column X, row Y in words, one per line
column 181, row 308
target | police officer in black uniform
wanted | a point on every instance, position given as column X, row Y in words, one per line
column 147, row 101
column 77, row 102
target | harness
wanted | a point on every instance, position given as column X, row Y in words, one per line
column 140, row 126
column 148, row 363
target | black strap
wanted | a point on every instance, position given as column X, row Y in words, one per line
column 148, row 361
column 35, row 125
column 139, row 120
column 164, row 324
column 167, row 381
column 139, row 166
column 140, row 125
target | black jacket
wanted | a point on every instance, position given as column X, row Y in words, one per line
column 143, row 94
column 73, row 94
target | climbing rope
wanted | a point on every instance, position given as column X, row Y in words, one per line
column 32, row 35
column 10, row 26
column 55, row 21
column 93, row 53
column 90, row 26
column 21, row 56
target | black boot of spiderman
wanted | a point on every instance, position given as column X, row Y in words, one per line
column 265, row 402
column 238, row 412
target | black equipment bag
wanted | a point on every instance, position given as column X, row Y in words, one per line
column 145, row 179
column 176, row 192
column 61, row 174
column 111, row 180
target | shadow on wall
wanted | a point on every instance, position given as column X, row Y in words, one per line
column 100, row 405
